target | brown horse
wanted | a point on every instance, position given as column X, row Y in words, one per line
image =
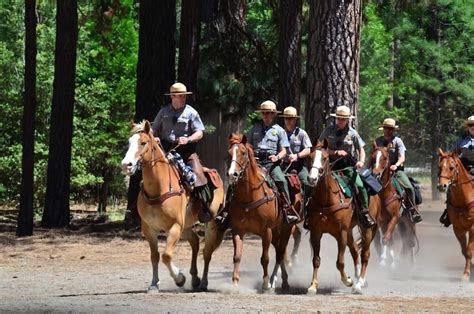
column 390, row 213
column 454, row 177
column 163, row 205
column 254, row 208
column 330, row 211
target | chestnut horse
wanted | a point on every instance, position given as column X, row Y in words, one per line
column 254, row 208
column 454, row 177
column 163, row 205
column 331, row 211
column 390, row 213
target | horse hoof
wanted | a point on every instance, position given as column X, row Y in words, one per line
column 195, row 282
column 356, row 290
column 348, row 282
column 382, row 263
column 465, row 278
column 285, row 286
column 180, row 280
column 312, row 291
column 153, row 289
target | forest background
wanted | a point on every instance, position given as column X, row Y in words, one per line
column 416, row 65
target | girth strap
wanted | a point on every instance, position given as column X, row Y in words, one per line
column 391, row 199
column 160, row 199
column 334, row 208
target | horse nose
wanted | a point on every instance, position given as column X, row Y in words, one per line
column 126, row 166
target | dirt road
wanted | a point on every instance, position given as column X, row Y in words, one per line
column 110, row 272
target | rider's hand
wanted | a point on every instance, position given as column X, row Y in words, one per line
column 157, row 139
column 293, row 157
column 359, row 165
column 393, row 167
column 183, row 140
column 341, row 153
column 273, row 158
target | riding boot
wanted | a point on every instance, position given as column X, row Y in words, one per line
column 444, row 219
column 202, row 195
column 415, row 216
column 221, row 217
column 288, row 209
column 366, row 219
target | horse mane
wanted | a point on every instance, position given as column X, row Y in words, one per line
column 138, row 127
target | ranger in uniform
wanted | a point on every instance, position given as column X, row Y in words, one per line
column 396, row 153
column 179, row 124
column 344, row 142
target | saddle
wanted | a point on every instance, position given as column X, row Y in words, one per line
column 213, row 177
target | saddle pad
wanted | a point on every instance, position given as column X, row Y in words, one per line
column 214, row 177
column 342, row 184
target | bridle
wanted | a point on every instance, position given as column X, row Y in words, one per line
column 141, row 163
column 387, row 166
column 243, row 166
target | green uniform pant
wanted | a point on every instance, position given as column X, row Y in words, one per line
column 277, row 175
column 354, row 179
column 303, row 176
column 405, row 182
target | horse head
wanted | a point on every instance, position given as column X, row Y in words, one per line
column 447, row 166
column 240, row 154
column 379, row 160
column 319, row 163
column 141, row 147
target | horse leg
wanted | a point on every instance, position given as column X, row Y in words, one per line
column 315, row 239
column 354, row 249
column 296, row 244
column 174, row 234
column 387, row 236
column 265, row 259
column 462, row 238
column 470, row 251
column 213, row 239
column 193, row 240
column 237, row 239
column 276, row 267
column 152, row 240
column 285, row 234
column 341, row 249
column 367, row 237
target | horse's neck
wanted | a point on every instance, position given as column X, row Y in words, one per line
column 250, row 183
column 387, row 186
column 157, row 175
column 324, row 192
column 463, row 187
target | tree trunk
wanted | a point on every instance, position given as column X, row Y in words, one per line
column 190, row 36
column 333, row 61
column 155, row 71
column 56, row 208
column 25, row 214
column 289, row 53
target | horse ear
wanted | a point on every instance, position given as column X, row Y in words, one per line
column 244, row 139
column 147, row 126
column 440, row 152
column 374, row 145
column 325, row 143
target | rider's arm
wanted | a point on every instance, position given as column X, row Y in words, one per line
column 196, row 136
column 305, row 152
column 282, row 153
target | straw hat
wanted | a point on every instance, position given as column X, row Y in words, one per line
column 389, row 123
column 290, row 112
column 343, row 112
column 178, row 89
column 268, row 106
column 469, row 121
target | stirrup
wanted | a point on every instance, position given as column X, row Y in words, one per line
column 292, row 219
column 415, row 216
column 221, row 218
column 444, row 219
column 366, row 220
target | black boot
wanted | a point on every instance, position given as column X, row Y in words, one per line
column 415, row 216
column 204, row 214
column 366, row 219
column 444, row 219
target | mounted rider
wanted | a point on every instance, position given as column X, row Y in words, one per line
column 343, row 144
column 396, row 152
column 179, row 128
column 270, row 145
column 299, row 149
column 464, row 147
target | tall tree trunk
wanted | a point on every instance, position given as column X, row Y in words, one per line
column 333, row 60
column 56, row 208
column 155, row 70
column 190, row 36
column 25, row 215
column 289, row 53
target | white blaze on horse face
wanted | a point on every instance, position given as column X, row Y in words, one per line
column 377, row 159
column 129, row 162
column 317, row 165
column 231, row 171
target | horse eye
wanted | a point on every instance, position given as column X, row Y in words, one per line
column 143, row 143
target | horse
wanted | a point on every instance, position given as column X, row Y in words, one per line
column 254, row 208
column 331, row 211
column 164, row 205
column 452, row 176
column 390, row 213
